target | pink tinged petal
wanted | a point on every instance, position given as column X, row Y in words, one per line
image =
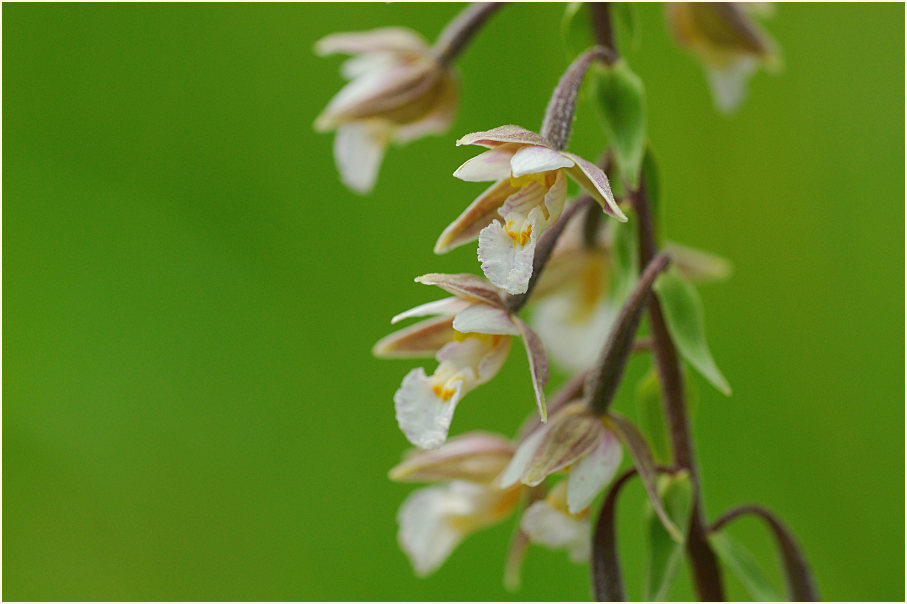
column 593, row 180
column 548, row 526
column 492, row 362
column 425, row 534
column 397, row 39
column 423, row 416
column 464, row 284
column 423, row 339
column 524, row 454
column 439, row 117
column 591, row 473
column 474, row 457
column 532, row 159
column 476, row 217
column 446, row 307
column 504, row 134
column 523, row 201
column 571, row 437
column 505, row 262
column 538, row 366
column 358, row 149
column 493, row 164
column 480, row 318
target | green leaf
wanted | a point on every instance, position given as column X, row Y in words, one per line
column 683, row 314
column 621, row 100
column 576, row 30
column 626, row 16
column 665, row 554
column 624, row 257
column 651, row 416
column 744, row 567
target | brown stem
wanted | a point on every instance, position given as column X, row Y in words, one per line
column 460, row 31
column 600, row 12
column 800, row 584
column 706, row 572
column 609, row 369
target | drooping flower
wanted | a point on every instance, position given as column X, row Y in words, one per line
column 527, row 197
column 730, row 44
column 549, row 522
column 398, row 91
column 575, row 440
column 574, row 303
column 434, row 520
column 470, row 340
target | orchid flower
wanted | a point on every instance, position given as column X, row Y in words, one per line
column 398, row 91
column 470, row 340
column 729, row 43
column 574, row 304
column 549, row 522
column 575, row 440
column 434, row 520
column 528, row 196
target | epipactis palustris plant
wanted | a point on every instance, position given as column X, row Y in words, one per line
column 589, row 282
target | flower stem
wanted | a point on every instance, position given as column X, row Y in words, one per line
column 706, row 572
column 460, row 31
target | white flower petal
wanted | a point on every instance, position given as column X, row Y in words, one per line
column 493, row 164
column 397, row 39
column 481, row 318
column 445, row 306
column 505, row 262
column 423, row 416
column 518, row 205
column 358, row 149
column 476, row 217
column 363, row 64
column 532, row 159
column 520, row 462
column 553, row 528
column 589, row 475
column 728, row 82
column 425, row 533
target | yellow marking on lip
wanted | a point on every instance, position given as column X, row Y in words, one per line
column 445, row 394
column 522, row 237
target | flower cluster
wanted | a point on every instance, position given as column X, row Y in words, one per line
column 537, row 247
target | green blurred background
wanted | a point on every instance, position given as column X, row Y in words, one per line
column 191, row 410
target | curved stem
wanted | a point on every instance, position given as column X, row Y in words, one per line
column 609, row 369
column 607, row 582
column 460, row 31
column 559, row 114
column 800, row 584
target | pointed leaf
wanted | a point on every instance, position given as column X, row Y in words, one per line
column 624, row 257
column 665, row 554
column 683, row 314
column 576, row 29
column 645, row 465
column 621, row 100
column 651, row 417
column 741, row 563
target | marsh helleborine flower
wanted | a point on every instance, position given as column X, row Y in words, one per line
column 576, row 440
column 433, row 520
column 398, row 92
column 470, row 340
column 730, row 44
column 527, row 197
